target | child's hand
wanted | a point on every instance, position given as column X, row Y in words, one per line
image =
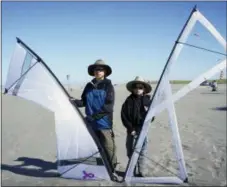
column 133, row 133
column 98, row 116
column 89, row 118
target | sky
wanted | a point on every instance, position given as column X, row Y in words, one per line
column 134, row 38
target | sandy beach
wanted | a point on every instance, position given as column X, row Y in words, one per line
column 28, row 139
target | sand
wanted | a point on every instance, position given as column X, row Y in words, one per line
column 28, row 137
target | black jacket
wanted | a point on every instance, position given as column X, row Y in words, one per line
column 133, row 112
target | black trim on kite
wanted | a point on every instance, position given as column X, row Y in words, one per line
column 100, row 148
column 30, row 50
column 165, row 67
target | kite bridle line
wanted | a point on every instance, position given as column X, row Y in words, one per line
column 212, row 51
column 79, row 163
column 135, row 137
column 7, row 89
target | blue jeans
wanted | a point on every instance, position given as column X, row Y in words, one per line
column 142, row 161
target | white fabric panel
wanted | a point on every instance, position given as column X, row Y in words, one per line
column 15, row 65
column 193, row 85
column 211, row 29
column 73, row 138
column 156, row 180
column 175, row 133
column 70, row 127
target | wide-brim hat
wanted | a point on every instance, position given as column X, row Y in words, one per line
column 139, row 80
column 99, row 63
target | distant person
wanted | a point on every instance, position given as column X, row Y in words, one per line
column 133, row 114
column 214, row 86
column 98, row 99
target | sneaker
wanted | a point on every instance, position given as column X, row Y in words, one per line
column 116, row 177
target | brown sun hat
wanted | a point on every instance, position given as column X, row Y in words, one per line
column 99, row 63
column 139, row 80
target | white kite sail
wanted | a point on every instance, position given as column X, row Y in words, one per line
column 78, row 155
column 163, row 99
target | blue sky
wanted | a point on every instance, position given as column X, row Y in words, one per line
column 135, row 38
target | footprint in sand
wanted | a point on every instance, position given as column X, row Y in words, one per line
column 186, row 147
column 192, row 170
column 217, row 162
column 223, row 183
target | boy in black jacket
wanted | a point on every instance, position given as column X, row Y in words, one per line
column 133, row 114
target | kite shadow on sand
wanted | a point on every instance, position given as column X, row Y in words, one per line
column 41, row 171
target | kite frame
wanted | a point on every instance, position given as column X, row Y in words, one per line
column 182, row 92
column 91, row 132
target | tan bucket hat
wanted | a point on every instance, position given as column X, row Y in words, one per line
column 139, row 80
column 99, row 63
